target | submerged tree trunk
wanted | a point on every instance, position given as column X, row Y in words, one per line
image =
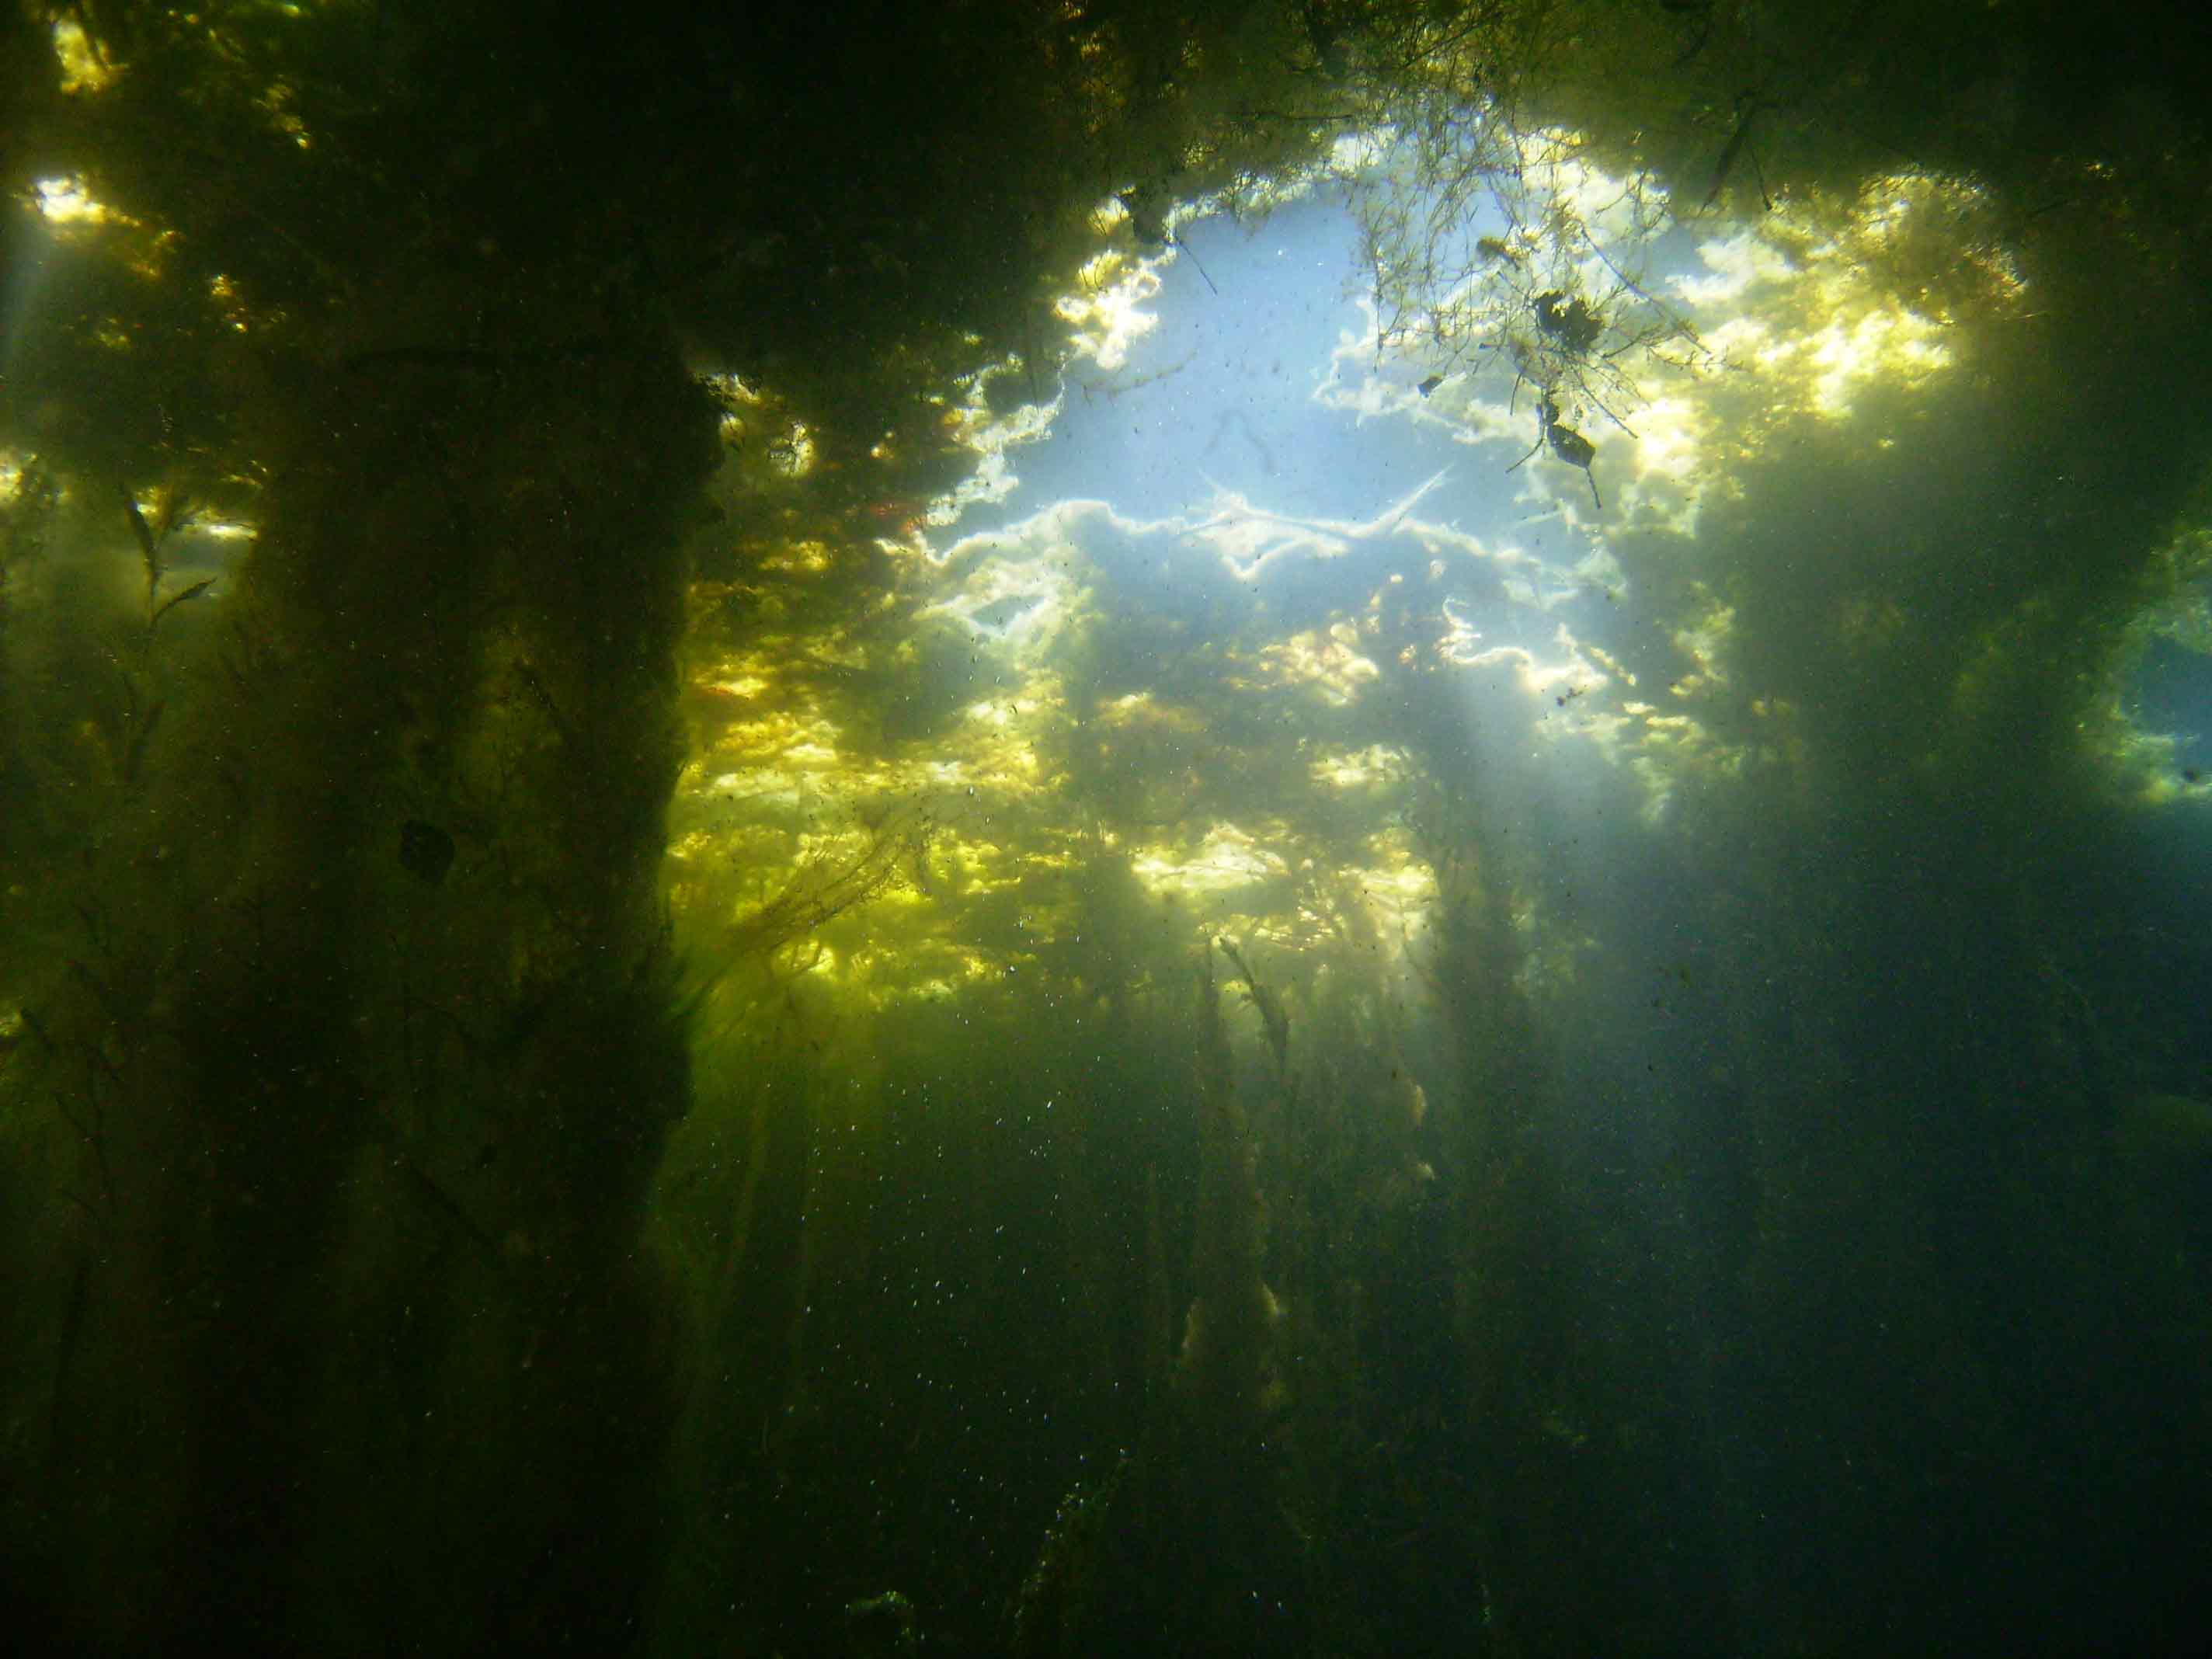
column 385, row 1036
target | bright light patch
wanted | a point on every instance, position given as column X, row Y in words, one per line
column 67, row 202
column 1107, row 311
column 1249, row 538
column 1397, row 895
column 1354, row 383
column 1556, row 679
column 1667, row 439
column 1890, row 208
column 1733, row 268
column 1705, row 643
column 1226, row 860
column 1376, row 763
column 1356, row 153
column 82, row 67
column 1895, row 345
column 1615, row 211
column 792, row 455
column 1330, row 663
column 1016, row 605
column 731, row 387
column 806, row 558
column 993, row 438
column 772, row 735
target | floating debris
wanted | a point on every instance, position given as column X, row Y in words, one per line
column 1571, row 446
column 1568, row 321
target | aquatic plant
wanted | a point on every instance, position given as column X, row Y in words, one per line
column 1225, row 1361
column 828, row 884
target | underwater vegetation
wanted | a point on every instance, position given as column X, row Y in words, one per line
column 836, row 831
